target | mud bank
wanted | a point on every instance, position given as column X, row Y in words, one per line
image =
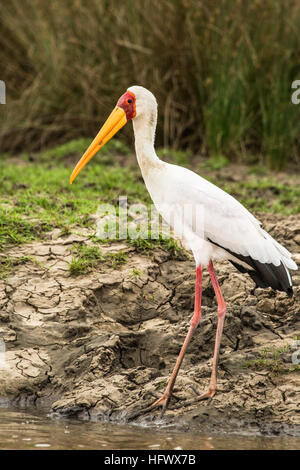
column 97, row 346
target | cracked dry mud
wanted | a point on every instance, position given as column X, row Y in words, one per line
column 96, row 346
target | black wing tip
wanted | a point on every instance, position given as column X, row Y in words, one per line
column 263, row 274
column 268, row 275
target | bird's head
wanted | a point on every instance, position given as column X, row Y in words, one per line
column 136, row 103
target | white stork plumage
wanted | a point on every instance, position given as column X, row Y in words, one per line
column 214, row 225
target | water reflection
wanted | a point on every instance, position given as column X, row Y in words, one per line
column 32, row 430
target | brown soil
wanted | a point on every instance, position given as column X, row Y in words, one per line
column 97, row 346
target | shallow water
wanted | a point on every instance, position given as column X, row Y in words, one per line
column 31, row 429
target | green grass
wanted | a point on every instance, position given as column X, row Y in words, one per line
column 178, row 157
column 168, row 244
column 36, row 197
column 117, row 258
column 77, row 147
column 88, row 257
column 266, row 195
column 216, row 162
column 14, row 229
column 162, row 384
column 136, row 272
column 78, row 266
column 85, row 259
column 271, row 359
column 7, row 264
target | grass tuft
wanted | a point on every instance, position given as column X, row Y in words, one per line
column 272, row 360
column 7, row 264
column 85, row 260
column 168, row 244
column 89, row 257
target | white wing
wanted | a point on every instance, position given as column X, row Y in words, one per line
column 226, row 222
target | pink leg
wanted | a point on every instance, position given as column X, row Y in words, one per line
column 221, row 316
column 164, row 399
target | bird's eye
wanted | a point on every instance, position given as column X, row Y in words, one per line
column 129, row 100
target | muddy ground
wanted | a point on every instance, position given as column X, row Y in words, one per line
column 96, row 346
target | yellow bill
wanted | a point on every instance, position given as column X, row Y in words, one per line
column 113, row 124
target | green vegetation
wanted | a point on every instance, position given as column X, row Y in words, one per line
column 178, row 157
column 88, row 257
column 77, row 147
column 117, row 258
column 36, row 197
column 136, row 272
column 168, row 244
column 222, row 74
column 266, row 195
column 7, row 264
column 272, row 360
column 216, row 162
column 16, row 230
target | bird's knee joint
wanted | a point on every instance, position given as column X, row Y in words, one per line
column 222, row 311
column 195, row 321
column 194, row 324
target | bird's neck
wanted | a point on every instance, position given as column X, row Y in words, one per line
column 144, row 133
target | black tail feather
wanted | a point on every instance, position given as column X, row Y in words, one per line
column 263, row 274
column 266, row 274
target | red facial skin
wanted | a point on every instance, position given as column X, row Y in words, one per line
column 127, row 102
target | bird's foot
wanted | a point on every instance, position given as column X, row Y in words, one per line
column 208, row 395
column 162, row 401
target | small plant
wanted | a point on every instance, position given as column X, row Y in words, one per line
column 270, row 359
column 168, row 244
column 65, row 230
column 78, row 266
column 86, row 259
column 117, row 258
column 7, row 264
column 15, row 229
column 258, row 170
column 90, row 252
column 136, row 272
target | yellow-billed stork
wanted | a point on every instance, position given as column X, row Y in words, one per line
column 227, row 230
